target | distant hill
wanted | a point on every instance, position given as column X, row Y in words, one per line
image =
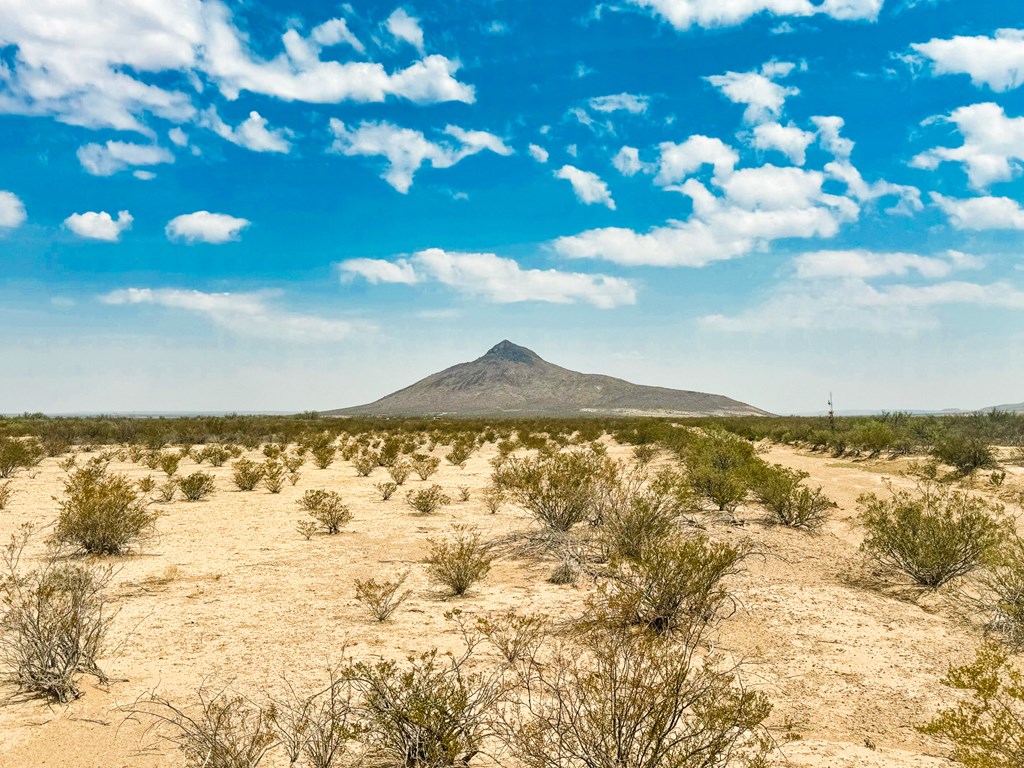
column 514, row 381
column 1012, row 407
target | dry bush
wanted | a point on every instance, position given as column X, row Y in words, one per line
column 460, row 562
column 273, row 476
column 102, row 513
column 246, row 474
column 222, row 730
column 316, row 727
column 494, row 498
column 986, row 727
column 645, row 453
column 151, row 459
column 17, row 454
column 787, row 501
column 169, row 462
column 386, row 489
column 565, row 573
column 460, row 452
column 327, row 508
column 559, row 490
column 197, row 486
column 400, row 470
column 364, row 463
column 217, row 455
column 6, row 493
column 382, row 598
column 307, row 528
column 623, row 701
column 426, row 501
column 637, row 511
column 1004, row 598
column 146, row 484
column 167, row 490
column 53, row 622
column 323, row 450
column 425, row 466
column 464, row 493
column 517, row 636
column 674, row 587
column 932, row 534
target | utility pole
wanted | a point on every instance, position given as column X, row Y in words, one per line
column 831, row 415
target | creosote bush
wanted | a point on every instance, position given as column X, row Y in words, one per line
column 933, row 534
column 400, row 470
column 246, row 474
column 54, row 622
column 101, row 513
column 459, row 562
column 965, row 454
column 558, row 489
column 637, row 512
column 6, row 494
column 273, row 476
column 197, row 486
column 169, row 462
column 426, row 501
column 382, row 598
column 1004, row 598
column 719, row 468
column 364, row 463
column 18, row 454
column 780, row 491
column 327, row 508
column 517, row 636
column 386, row 489
column 216, row 455
column 425, row 466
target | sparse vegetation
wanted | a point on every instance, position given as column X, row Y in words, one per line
column 327, row 508
column 246, row 474
column 427, row 501
column 788, row 502
column 382, row 598
column 197, row 486
column 102, row 513
column 558, row 490
column 425, row 466
column 386, row 489
column 459, row 562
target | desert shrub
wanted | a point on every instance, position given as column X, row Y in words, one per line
column 365, row 463
column 872, row 436
column 426, row 501
column 382, row 598
column 564, row 573
column 997, row 478
column 460, row 452
column 645, row 453
column 986, row 727
column 217, row 455
column 327, row 508
column 460, row 562
column 399, row 470
column 933, row 534
column 316, row 727
column 464, row 494
column 558, row 490
column 146, row 484
column 518, row 637
column 637, row 514
column 197, row 486
column 323, row 450
column 246, row 474
column 151, row 460
column 634, row 702
column 18, row 454
column 293, row 461
column 54, row 622
column 494, row 498
column 273, row 476
column 222, row 730
column 273, row 451
column 719, row 467
column 167, row 490
column 675, row 586
column 431, row 712
column 425, row 466
column 964, row 454
column 169, row 462
column 386, row 489
column 1004, row 600
column 780, row 491
column 101, row 513
column 6, row 493
column 307, row 528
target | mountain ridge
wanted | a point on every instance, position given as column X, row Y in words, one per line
column 511, row 380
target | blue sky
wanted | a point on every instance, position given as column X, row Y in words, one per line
column 211, row 205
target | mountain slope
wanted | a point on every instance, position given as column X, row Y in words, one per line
column 514, row 381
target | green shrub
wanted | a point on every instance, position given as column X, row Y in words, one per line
column 780, row 491
column 323, row 450
column 386, row 489
column 426, row 501
column 518, row 637
column 559, row 490
column 460, row 452
column 1004, row 599
column 6, row 493
column 327, row 508
column 246, row 474
column 197, row 486
column 933, row 534
column 399, row 470
column 460, row 562
column 365, row 463
column 382, row 598
column 217, row 455
column 719, row 468
column 273, row 475
column 102, row 513
column 169, row 462
column 965, row 454
column 18, row 454
column 425, row 466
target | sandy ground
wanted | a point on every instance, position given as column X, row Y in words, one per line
column 229, row 591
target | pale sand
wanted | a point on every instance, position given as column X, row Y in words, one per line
column 229, row 591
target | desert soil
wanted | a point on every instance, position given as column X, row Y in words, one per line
column 230, row 593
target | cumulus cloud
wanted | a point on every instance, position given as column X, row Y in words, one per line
column 992, row 150
column 764, row 98
column 908, row 198
column 678, row 161
column 635, row 104
column 115, row 156
column 407, row 150
column 12, row 210
column 980, row 213
column 243, row 314
column 99, row 226
column 497, row 279
column 205, row 227
column 406, row 28
column 787, row 139
column 538, row 153
column 997, row 62
column 683, row 14
column 588, row 186
column 627, row 162
column 252, row 133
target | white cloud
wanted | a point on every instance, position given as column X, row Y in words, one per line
column 997, row 62
column 205, row 227
column 980, row 213
column 627, row 162
column 115, row 156
column 683, row 14
column 12, row 210
column 244, row 314
column 679, row 161
column 252, row 133
column 829, row 128
column 99, row 226
column 763, row 97
column 144, row 175
column 538, row 153
column 993, row 146
column 497, row 279
column 909, row 198
column 635, row 104
column 335, row 32
column 588, row 186
column 379, row 271
column 407, row 150
column 864, row 264
column 178, row 137
column 787, row 139
column 406, row 28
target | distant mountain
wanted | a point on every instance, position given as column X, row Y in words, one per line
column 514, row 381
column 1012, row 407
